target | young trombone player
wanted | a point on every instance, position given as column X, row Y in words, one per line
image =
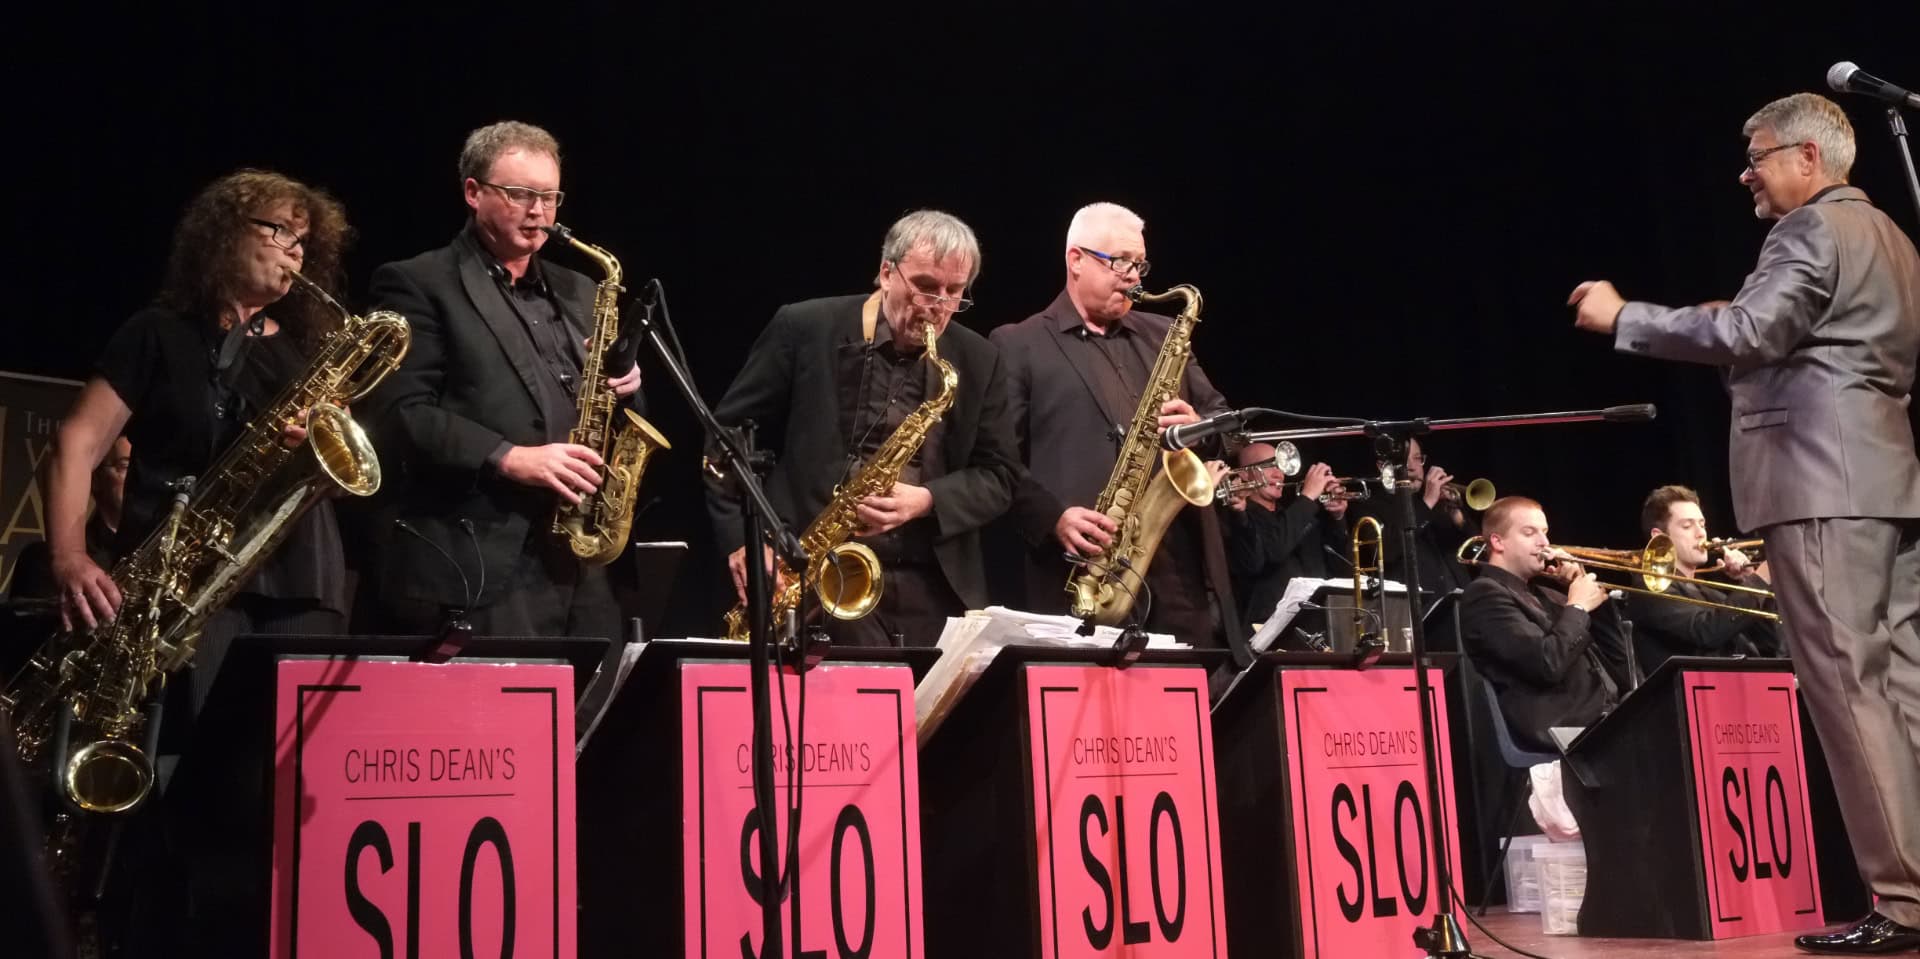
column 1541, row 629
column 1663, row 628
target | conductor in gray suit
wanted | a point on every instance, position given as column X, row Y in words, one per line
column 1820, row 347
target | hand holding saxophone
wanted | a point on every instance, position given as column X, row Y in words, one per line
column 1084, row 531
column 568, row 469
column 904, row 504
column 88, row 596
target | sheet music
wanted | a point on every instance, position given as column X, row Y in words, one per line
column 969, row 643
column 1299, row 590
column 629, row 654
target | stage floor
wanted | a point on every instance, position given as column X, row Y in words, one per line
column 1523, row 930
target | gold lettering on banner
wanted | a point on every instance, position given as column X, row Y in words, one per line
column 30, row 497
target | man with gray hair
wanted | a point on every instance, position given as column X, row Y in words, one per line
column 829, row 382
column 475, row 422
column 1077, row 371
column 1819, row 348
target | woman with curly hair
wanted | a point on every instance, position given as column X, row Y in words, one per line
column 182, row 377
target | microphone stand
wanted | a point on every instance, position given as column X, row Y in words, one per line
column 1897, row 123
column 1444, row 939
column 737, row 460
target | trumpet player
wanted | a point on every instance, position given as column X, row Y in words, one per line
column 1268, row 545
column 476, row 419
column 1541, row 629
column 1442, row 524
column 1663, row 628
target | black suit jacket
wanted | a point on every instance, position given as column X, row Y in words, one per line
column 1067, row 441
column 466, row 386
column 789, row 389
column 1666, row 627
column 1266, row 548
column 1544, row 657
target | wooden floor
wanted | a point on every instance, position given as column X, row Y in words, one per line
column 1523, row 930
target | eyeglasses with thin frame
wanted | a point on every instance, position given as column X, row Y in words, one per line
column 283, row 235
column 526, row 197
column 1119, row 264
column 958, row 304
column 1755, row 156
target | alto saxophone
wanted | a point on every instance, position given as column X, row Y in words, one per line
column 846, row 575
column 596, row 528
column 1139, row 499
column 77, row 704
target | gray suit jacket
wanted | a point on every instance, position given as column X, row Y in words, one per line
column 1821, row 345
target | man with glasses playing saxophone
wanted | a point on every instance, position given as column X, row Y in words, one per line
column 831, row 381
column 475, row 422
column 1662, row 627
column 1077, row 371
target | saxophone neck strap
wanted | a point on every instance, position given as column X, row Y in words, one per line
column 869, row 316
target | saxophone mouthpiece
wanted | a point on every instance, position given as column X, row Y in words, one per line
column 559, row 232
column 1137, row 291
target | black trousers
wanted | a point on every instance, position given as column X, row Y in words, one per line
column 915, row 602
column 553, row 594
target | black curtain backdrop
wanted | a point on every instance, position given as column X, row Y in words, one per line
column 1385, row 205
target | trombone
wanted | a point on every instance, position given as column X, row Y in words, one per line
column 1717, row 551
column 1653, row 564
column 1367, row 532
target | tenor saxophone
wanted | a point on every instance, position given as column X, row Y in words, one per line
column 596, row 528
column 77, row 704
column 1141, row 500
column 844, row 574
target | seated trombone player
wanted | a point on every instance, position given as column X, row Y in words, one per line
column 1663, row 628
column 1541, row 629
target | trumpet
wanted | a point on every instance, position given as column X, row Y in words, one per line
column 1653, row 563
column 1253, row 476
column 1477, row 495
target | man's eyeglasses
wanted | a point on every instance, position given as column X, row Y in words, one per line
column 1755, row 156
column 526, row 197
column 283, row 235
column 1120, row 264
column 958, row 304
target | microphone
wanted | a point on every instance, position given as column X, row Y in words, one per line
column 1847, row 77
column 1629, row 413
column 1344, row 561
column 1176, row 438
column 454, row 630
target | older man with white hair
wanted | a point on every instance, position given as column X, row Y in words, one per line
column 1076, row 372
column 1819, row 347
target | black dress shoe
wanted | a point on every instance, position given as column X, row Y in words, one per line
column 1873, row 936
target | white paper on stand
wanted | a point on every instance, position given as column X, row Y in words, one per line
column 1299, row 590
column 969, row 643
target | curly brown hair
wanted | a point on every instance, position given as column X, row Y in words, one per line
column 205, row 261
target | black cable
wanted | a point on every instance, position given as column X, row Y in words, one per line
column 1468, row 912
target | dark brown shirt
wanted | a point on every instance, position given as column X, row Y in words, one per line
column 876, row 396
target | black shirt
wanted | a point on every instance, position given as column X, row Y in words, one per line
column 562, row 357
column 186, row 412
column 1267, row 548
column 876, row 396
column 1667, row 627
column 1117, row 364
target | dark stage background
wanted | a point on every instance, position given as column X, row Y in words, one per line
column 1385, row 206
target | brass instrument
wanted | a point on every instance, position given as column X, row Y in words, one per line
column 1354, row 489
column 89, row 687
column 1476, row 496
column 1717, row 548
column 597, row 527
column 1652, row 563
column 846, row 575
column 1140, row 499
column 1253, row 476
column 1367, row 532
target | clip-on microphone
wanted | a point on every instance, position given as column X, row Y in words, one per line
column 455, row 630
